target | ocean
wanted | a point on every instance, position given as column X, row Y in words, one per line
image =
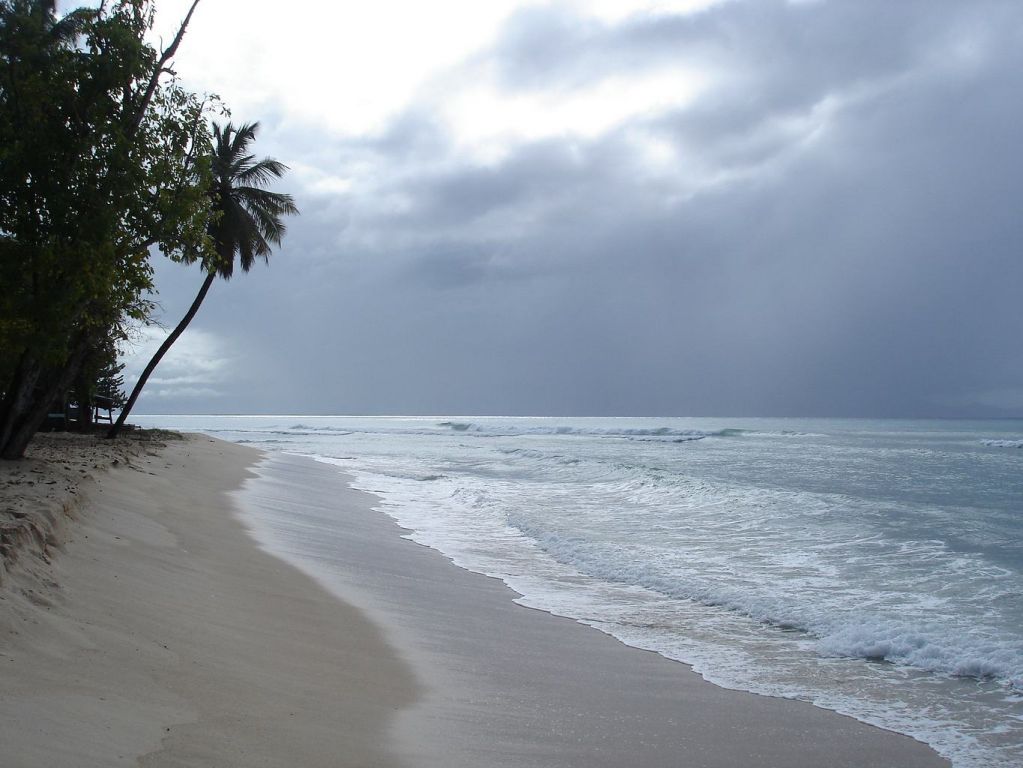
column 870, row 567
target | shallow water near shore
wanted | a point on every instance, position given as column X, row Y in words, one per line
column 872, row 567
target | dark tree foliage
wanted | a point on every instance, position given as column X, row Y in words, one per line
column 101, row 158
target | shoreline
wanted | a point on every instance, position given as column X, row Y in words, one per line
column 510, row 687
column 177, row 629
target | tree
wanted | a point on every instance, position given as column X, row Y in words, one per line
column 99, row 377
column 100, row 159
column 110, row 382
column 246, row 222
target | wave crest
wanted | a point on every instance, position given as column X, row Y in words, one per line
column 1002, row 443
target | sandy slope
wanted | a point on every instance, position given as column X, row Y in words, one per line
column 164, row 637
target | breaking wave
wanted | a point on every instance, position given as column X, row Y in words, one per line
column 652, row 433
column 944, row 648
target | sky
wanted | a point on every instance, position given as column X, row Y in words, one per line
column 731, row 207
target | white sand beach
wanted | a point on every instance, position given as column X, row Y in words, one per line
column 165, row 637
column 152, row 627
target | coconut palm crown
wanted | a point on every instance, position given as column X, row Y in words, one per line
column 250, row 215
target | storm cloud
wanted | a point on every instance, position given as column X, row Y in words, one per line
column 751, row 208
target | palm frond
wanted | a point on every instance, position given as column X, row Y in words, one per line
column 263, row 172
column 71, row 26
column 278, row 203
column 270, row 227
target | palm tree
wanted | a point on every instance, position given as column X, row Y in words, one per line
column 246, row 223
column 43, row 14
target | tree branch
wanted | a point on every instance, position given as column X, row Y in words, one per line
column 154, row 81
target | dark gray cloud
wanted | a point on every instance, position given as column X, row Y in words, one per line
column 840, row 233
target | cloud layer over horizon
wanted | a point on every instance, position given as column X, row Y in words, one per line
column 748, row 207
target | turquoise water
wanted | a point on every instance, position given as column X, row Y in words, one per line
column 872, row 567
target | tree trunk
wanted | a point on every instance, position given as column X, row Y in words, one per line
column 18, row 398
column 116, row 428
column 159, row 70
column 54, row 383
column 83, row 387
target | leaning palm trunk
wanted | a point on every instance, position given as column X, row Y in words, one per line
column 167, row 343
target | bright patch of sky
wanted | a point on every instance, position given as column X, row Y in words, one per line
column 616, row 10
column 485, row 120
column 193, row 368
column 352, row 67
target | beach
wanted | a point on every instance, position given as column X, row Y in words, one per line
column 171, row 623
column 165, row 637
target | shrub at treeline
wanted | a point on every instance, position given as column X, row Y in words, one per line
column 103, row 156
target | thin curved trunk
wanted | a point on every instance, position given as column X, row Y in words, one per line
column 116, row 428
